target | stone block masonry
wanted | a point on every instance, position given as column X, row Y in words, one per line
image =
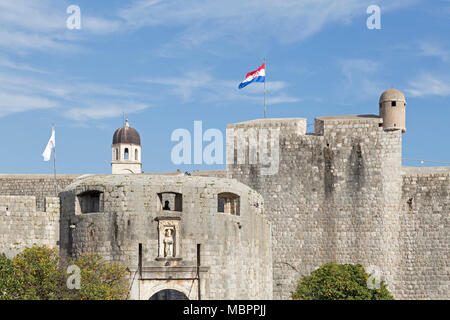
column 424, row 239
column 339, row 195
column 236, row 249
column 37, row 185
column 22, row 225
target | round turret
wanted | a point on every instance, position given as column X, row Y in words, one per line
column 393, row 110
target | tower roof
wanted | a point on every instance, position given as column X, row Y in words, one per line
column 392, row 95
column 126, row 134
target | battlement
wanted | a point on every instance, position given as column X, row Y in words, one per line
column 295, row 125
column 359, row 123
column 38, row 185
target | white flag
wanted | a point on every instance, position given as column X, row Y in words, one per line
column 50, row 145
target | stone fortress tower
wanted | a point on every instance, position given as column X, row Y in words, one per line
column 126, row 151
column 337, row 194
column 341, row 194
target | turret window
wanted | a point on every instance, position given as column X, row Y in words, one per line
column 170, row 201
column 126, row 155
column 228, row 203
column 136, row 154
column 90, row 201
column 394, row 103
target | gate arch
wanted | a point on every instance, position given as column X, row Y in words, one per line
column 169, row 294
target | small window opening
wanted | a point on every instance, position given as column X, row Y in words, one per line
column 136, row 155
column 117, row 154
column 91, row 201
column 228, row 203
column 126, row 155
column 394, row 103
column 170, row 201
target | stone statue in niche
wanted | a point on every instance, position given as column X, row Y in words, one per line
column 168, row 242
column 169, row 238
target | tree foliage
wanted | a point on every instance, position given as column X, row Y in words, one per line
column 101, row 280
column 38, row 273
column 9, row 284
column 334, row 281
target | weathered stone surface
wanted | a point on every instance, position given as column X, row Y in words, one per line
column 236, row 257
column 22, row 225
column 340, row 195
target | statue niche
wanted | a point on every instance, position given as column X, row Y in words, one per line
column 169, row 237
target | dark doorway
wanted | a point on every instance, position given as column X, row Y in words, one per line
column 169, row 294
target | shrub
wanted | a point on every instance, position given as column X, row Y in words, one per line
column 334, row 281
column 39, row 274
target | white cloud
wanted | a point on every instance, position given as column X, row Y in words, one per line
column 100, row 110
column 15, row 103
column 352, row 68
column 361, row 77
column 42, row 15
column 5, row 62
column 76, row 100
column 433, row 50
column 41, row 25
column 427, row 84
column 99, row 25
column 29, row 24
column 202, row 87
column 285, row 21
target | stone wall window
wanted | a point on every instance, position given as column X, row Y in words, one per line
column 136, row 154
column 229, row 203
column 117, row 154
column 90, row 201
column 126, row 155
column 170, row 201
column 394, row 103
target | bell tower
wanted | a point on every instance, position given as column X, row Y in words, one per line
column 126, row 151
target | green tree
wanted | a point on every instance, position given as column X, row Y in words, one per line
column 334, row 281
column 38, row 273
column 101, row 280
column 9, row 285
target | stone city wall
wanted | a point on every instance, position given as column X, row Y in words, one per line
column 335, row 196
column 38, row 185
column 424, row 271
column 22, row 225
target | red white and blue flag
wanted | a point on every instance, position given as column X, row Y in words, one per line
column 259, row 75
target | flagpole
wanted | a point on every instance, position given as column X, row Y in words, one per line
column 265, row 79
column 54, row 162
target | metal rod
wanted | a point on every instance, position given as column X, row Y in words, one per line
column 265, row 79
column 198, row 271
column 54, row 162
column 140, row 260
column 442, row 162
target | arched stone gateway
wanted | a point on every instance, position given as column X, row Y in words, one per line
column 169, row 294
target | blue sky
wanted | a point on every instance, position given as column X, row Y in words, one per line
column 167, row 63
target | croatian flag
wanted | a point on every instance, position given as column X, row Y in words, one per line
column 259, row 75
